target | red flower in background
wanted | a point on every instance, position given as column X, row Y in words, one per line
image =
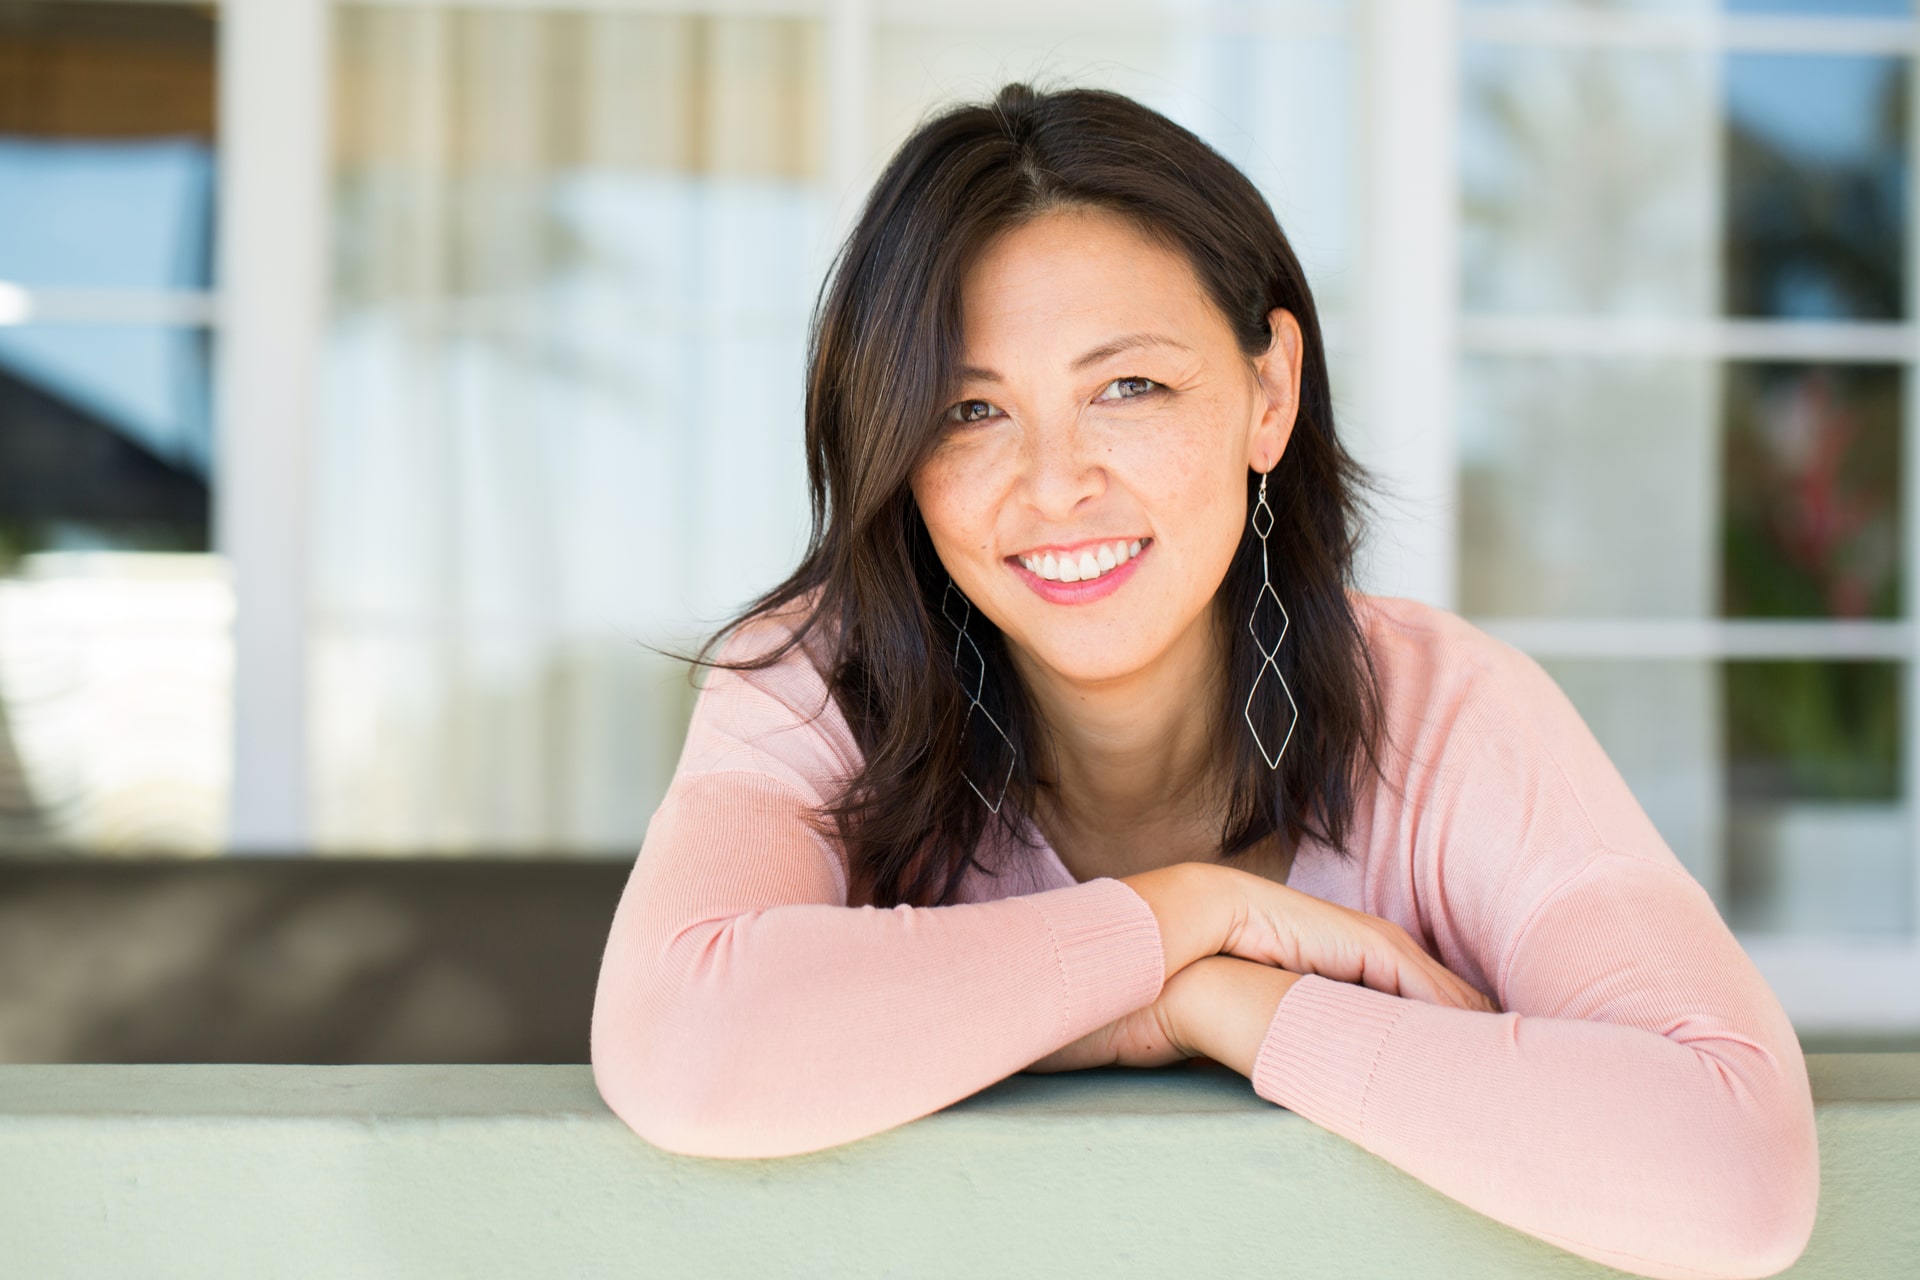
column 1826, row 525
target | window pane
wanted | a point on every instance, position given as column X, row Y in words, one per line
column 511, row 156
column 1812, row 510
column 573, row 262
column 115, row 623
column 1777, row 784
column 115, row 703
column 1586, row 181
column 1653, row 6
column 106, row 145
column 105, row 425
column 1274, row 96
column 1824, row 8
column 1813, row 730
column 1660, row 724
column 1820, row 833
column 114, row 667
column 1587, row 487
column 1808, row 8
column 1601, row 487
column 1816, row 186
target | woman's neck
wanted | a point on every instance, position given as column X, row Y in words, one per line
column 1135, row 761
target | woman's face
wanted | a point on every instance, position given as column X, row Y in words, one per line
column 1088, row 491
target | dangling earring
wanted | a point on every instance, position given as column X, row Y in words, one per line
column 973, row 682
column 1262, row 521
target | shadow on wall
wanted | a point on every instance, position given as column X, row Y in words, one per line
column 297, row 961
column 326, row 961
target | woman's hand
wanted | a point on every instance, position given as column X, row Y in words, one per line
column 1155, row 1035
column 1290, row 932
column 1208, row 908
column 1296, row 931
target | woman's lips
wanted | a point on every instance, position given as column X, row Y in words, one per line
column 1086, row 590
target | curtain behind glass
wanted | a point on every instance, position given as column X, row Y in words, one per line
column 573, row 256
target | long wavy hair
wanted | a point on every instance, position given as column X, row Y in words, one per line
column 883, row 353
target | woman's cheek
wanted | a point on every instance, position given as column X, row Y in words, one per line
column 956, row 491
column 1169, row 469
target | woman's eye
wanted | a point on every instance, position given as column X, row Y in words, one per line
column 1127, row 388
column 971, row 411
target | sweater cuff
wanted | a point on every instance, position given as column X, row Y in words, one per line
column 1320, row 1050
column 1108, row 941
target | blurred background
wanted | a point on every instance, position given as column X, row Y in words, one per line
column 378, row 378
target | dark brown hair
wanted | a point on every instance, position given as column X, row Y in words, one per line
column 882, row 356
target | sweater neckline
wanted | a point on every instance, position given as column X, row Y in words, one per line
column 1060, row 877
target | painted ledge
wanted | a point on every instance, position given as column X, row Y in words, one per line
column 516, row 1171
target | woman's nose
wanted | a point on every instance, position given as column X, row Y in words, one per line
column 1062, row 472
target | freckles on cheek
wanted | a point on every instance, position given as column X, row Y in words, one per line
column 1179, row 457
column 948, row 500
column 1179, row 481
column 959, row 490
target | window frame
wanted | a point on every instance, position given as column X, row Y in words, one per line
column 1406, row 334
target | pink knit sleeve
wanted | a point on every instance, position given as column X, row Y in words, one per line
column 1642, row 1099
column 745, row 1009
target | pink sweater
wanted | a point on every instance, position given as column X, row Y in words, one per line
column 1641, row 1101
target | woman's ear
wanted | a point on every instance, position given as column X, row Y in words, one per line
column 1278, row 371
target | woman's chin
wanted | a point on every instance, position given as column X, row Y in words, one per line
column 1070, row 664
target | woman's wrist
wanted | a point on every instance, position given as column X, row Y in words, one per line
column 1193, row 905
column 1220, row 1007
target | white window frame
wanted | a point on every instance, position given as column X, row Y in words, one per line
column 1409, row 332
column 264, row 313
column 1827, row 984
column 271, row 286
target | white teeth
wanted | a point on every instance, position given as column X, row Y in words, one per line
column 1085, row 567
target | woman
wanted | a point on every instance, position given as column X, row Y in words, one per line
column 1069, row 744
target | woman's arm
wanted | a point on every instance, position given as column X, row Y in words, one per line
column 1642, row 1102
column 743, row 1009
column 1641, row 1099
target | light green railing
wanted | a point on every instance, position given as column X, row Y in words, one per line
column 251, row 1172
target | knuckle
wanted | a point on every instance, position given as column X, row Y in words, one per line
column 1384, row 929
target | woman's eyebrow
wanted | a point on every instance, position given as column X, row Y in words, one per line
column 1129, row 342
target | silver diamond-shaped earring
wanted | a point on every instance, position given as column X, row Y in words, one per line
column 1262, row 521
column 970, row 668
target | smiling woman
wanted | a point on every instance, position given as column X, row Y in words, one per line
column 1071, row 448
column 1070, row 743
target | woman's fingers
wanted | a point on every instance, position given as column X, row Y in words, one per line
column 1296, row 931
column 1442, row 985
column 1419, row 976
